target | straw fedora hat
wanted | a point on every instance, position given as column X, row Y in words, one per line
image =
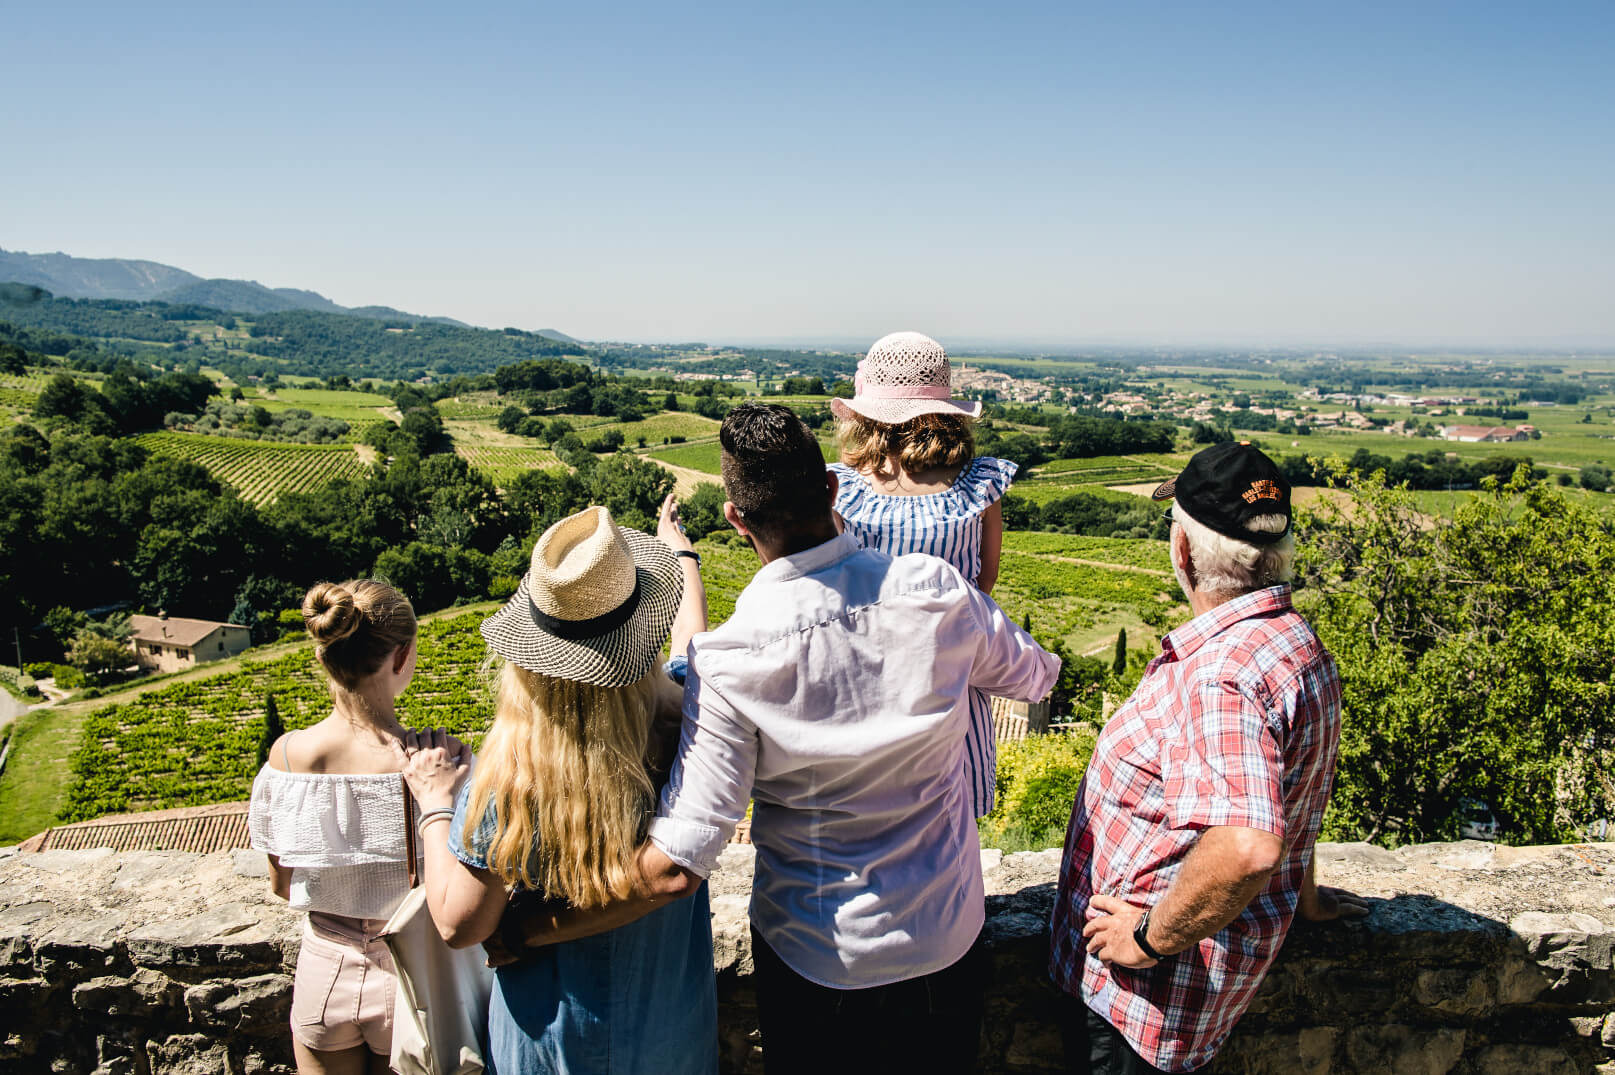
column 905, row 374
column 595, row 605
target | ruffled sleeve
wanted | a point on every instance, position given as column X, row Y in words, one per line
column 850, row 489
column 986, row 480
column 320, row 820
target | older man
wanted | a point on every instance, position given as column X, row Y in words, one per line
column 1190, row 845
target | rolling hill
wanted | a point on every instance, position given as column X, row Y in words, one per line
column 70, row 277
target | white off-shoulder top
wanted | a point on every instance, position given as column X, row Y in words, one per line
column 341, row 835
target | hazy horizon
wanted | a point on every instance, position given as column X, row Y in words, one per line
column 1032, row 176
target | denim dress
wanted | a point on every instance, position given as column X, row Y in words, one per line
column 636, row 1000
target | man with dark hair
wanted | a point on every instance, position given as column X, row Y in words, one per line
column 773, row 474
column 836, row 699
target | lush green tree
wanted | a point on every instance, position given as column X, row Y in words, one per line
column 435, row 577
column 1474, row 659
column 273, row 729
column 702, row 511
column 631, row 488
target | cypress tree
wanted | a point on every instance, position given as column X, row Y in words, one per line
column 273, row 729
column 1119, row 665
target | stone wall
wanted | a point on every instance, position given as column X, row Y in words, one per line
column 1477, row 959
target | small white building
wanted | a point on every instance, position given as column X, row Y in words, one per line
column 173, row 644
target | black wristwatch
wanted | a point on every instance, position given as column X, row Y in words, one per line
column 689, row 554
column 1141, row 938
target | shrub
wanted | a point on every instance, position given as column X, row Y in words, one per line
column 1037, row 782
column 67, row 677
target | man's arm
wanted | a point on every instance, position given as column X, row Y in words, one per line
column 663, row 882
column 1222, row 873
column 1008, row 661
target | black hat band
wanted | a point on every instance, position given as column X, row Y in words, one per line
column 578, row 630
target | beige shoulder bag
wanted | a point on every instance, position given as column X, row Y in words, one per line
column 440, row 1014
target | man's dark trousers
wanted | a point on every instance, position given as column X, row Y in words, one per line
column 1093, row 1046
column 930, row 1024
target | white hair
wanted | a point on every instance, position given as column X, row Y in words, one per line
column 1227, row 565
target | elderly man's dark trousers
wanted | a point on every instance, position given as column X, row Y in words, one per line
column 930, row 1024
column 1093, row 1046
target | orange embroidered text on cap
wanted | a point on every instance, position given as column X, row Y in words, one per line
column 1261, row 490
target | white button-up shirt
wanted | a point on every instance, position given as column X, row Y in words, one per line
column 837, row 699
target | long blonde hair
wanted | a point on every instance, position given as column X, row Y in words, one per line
column 921, row 443
column 565, row 768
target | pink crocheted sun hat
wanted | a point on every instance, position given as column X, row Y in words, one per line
column 904, row 375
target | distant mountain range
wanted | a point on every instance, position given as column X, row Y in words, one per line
column 148, row 281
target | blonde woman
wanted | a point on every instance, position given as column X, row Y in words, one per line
column 565, row 785
column 328, row 809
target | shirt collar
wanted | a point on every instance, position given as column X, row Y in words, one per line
column 1182, row 643
column 808, row 561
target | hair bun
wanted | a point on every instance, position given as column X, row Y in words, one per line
column 329, row 613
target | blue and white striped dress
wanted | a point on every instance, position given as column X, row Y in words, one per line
column 946, row 525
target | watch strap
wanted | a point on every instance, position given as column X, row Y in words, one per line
column 1141, row 938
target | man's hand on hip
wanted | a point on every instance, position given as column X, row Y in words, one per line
column 1110, row 933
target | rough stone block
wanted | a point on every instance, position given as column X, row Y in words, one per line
column 244, row 863
column 1607, row 1035
column 1520, row 981
column 731, row 934
column 256, row 1005
column 25, row 999
column 1574, row 950
column 143, row 994
column 1306, row 1052
column 188, row 1054
column 81, row 947
column 1513, row 1059
column 224, row 936
column 1406, row 1050
column 1457, row 992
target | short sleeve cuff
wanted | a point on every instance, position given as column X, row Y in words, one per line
column 1219, row 813
column 483, row 837
column 694, row 846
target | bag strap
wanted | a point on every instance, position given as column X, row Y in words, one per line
column 409, row 833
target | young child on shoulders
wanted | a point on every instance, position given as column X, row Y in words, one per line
column 910, row 481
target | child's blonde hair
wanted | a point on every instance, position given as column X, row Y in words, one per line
column 921, row 443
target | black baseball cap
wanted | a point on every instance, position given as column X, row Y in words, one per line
column 1226, row 485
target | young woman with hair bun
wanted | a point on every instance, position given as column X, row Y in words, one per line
column 328, row 809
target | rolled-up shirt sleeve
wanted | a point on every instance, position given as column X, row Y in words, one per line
column 711, row 779
column 1009, row 663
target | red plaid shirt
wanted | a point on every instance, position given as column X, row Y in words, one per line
column 1235, row 723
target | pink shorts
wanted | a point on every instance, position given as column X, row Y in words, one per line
column 342, row 994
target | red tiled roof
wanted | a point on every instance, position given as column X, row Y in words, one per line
column 218, row 827
column 1008, row 724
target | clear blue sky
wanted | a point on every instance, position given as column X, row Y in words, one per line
column 1045, row 172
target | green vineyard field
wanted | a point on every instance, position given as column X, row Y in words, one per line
column 196, row 742
column 502, row 463
column 260, row 471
